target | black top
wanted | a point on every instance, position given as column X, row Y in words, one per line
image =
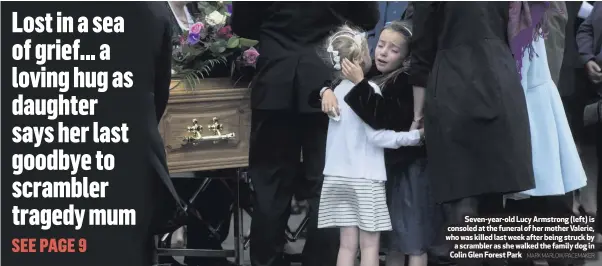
column 290, row 35
column 393, row 110
column 475, row 113
column 407, row 14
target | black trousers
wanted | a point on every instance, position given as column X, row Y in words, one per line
column 277, row 140
column 478, row 206
column 214, row 206
column 550, row 206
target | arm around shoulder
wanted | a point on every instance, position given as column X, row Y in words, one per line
column 393, row 140
column 314, row 99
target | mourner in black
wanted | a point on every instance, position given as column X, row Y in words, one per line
column 283, row 125
column 152, row 66
column 157, row 78
column 137, row 184
column 573, row 78
column 476, row 120
column 589, row 43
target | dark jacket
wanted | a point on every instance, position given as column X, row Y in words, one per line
column 409, row 12
column 476, row 121
column 570, row 59
column 290, row 35
column 557, row 18
column 393, row 110
column 589, row 36
column 589, row 39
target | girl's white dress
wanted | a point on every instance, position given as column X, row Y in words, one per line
column 556, row 162
column 353, row 193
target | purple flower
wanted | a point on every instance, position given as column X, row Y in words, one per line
column 193, row 38
column 250, row 57
column 229, row 8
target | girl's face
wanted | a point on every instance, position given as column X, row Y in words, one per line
column 391, row 50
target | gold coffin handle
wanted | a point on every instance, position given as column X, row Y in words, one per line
column 195, row 133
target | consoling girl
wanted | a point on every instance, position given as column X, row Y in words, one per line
column 416, row 218
column 353, row 194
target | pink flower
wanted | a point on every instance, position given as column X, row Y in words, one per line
column 250, row 57
column 225, row 32
column 182, row 40
column 197, row 28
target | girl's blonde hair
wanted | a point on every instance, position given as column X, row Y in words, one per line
column 345, row 43
column 403, row 27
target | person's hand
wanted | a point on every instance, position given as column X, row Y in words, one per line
column 596, row 79
column 417, row 124
column 330, row 103
column 352, row 72
column 594, row 72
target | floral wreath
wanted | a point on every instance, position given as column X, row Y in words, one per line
column 210, row 42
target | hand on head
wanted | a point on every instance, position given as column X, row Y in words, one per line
column 352, row 71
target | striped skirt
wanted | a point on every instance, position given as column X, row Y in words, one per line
column 347, row 202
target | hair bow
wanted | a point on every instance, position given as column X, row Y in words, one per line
column 334, row 55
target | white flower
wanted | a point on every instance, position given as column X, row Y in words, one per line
column 215, row 18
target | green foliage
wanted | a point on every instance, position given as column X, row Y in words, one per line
column 233, row 42
column 218, row 47
column 193, row 76
column 247, row 43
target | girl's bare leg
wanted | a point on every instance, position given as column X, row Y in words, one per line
column 348, row 246
column 395, row 258
column 369, row 248
column 418, row 260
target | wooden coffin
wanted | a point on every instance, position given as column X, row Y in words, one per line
column 220, row 138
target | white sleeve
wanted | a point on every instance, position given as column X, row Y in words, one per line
column 391, row 139
column 585, row 10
